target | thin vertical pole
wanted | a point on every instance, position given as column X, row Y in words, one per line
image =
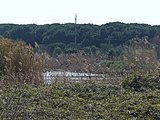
column 75, row 39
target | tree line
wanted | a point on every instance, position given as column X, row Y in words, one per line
column 88, row 36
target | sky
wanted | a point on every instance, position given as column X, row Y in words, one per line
column 88, row 11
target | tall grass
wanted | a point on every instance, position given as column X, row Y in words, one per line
column 19, row 64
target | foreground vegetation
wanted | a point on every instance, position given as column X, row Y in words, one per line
column 137, row 97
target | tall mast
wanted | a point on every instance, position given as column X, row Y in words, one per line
column 75, row 39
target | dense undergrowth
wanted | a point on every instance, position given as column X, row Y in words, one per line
column 138, row 97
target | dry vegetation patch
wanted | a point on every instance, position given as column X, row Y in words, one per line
column 19, row 64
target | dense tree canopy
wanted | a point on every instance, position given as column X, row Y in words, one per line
column 60, row 35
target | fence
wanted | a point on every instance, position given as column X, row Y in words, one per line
column 63, row 76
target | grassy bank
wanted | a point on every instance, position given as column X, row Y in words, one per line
column 134, row 98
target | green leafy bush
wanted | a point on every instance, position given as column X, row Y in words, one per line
column 142, row 82
column 83, row 101
column 114, row 64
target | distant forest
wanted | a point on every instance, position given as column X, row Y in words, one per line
column 62, row 36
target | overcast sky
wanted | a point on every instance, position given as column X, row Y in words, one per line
column 88, row 11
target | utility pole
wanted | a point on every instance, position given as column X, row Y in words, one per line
column 75, row 32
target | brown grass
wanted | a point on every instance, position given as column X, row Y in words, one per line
column 19, row 64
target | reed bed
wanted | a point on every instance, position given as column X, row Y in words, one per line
column 19, row 64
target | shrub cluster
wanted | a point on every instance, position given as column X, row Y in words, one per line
column 78, row 101
column 142, row 82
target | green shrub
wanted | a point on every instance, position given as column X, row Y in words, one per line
column 142, row 82
column 119, row 65
column 78, row 101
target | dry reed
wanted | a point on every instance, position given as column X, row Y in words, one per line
column 19, row 64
